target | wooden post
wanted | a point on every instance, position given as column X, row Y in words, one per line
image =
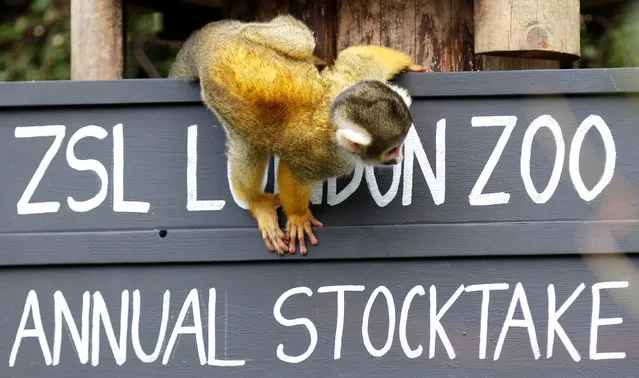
column 97, row 39
column 438, row 34
column 528, row 29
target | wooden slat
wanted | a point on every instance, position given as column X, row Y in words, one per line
column 358, row 22
column 525, row 29
column 399, row 27
column 97, row 39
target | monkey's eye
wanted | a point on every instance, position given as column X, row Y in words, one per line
column 393, row 151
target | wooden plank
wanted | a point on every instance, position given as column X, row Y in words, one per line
column 429, row 214
column 97, row 39
column 358, row 22
column 520, row 28
column 398, row 27
column 600, row 81
column 148, row 245
column 440, row 38
column 251, row 320
column 503, row 63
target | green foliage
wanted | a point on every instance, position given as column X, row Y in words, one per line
column 35, row 44
column 611, row 40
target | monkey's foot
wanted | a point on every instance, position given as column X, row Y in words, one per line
column 296, row 226
column 416, row 68
column 265, row 212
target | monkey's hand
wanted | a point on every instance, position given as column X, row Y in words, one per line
column 416, row 68
column 265, row 212
column 297, row 226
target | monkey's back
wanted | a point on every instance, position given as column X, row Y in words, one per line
column 276, row 103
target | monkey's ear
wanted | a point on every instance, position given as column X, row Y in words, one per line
column 353, row 138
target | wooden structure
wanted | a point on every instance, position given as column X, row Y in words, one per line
column 444, row 35
column 495, row 248
column 124, row 253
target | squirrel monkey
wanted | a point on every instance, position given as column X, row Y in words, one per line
column 262, row 82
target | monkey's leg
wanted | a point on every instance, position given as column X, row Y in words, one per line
column 284, row 34
column 247, row 170
column 295, row 196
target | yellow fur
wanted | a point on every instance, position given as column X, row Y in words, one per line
column 261, row 81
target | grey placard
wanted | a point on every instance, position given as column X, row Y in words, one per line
column 248, row 329
column 431, row 222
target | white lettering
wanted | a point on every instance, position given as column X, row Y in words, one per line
column 57, row 131
column 31, row 306
column 191, row 301
column 476, row 197
column 339, row 327
column 553, row 321
column 135, row 328
column 436, row 327
column 413, row 147
column 88, row 165
column 575, row 150
column 212, row 360
column 277, row 313
column 119, row 204
column 403, row 320
column 526, row 150
column 192, row 203
column 383, row 199
column 390, row 304
column 101, row 315
column 333, row 198
column 485, row 299
column 519, row 296
column 81, row 343
column 596, row 322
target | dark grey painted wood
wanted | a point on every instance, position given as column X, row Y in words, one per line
column 155, row 166
column 246, row 328
column 440, row 84
column 363, row 243
column 336, row 243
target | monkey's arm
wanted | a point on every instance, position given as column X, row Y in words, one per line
column 378, row 62
column 295, row 195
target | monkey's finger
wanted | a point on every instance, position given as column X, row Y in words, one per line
column 280, row 234
column 416, row 68
column 292, row 240
column 281, row 245
column 317, row 223
column 300, row 233
column 309, row 232
column 268, row 243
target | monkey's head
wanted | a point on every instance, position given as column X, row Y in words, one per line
column 372, row 119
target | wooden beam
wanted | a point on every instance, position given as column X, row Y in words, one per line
column 522, row 28
column 438, row 34
column 97, row 39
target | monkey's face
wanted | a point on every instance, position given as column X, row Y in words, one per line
column 372, row 121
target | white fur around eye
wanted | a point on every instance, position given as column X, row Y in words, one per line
column 402, row 92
